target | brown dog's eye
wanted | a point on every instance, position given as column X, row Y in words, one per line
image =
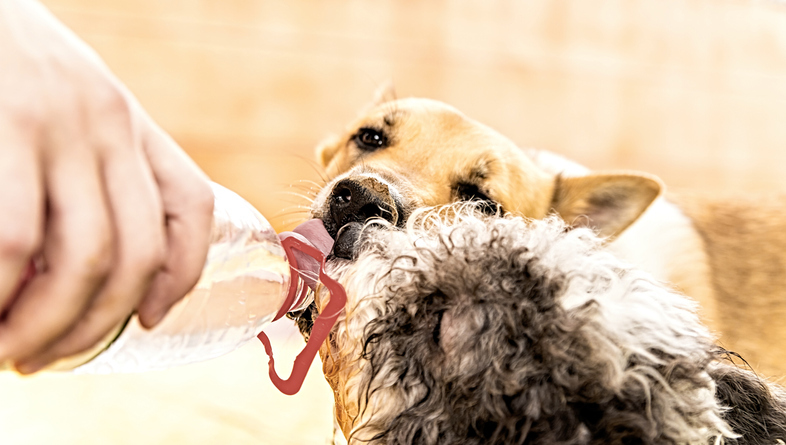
column 370, row 139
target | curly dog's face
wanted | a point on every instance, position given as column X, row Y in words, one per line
column 477, row 331
column 405, row 154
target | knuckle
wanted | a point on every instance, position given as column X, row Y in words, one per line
column 18, row 242
column 28, row 119
column 151, row 260
column 102, row 262
column 141, row 259
column 96, row 258
column 157, row 257
column 203, row 198
column 110, row 100
column 20, row 113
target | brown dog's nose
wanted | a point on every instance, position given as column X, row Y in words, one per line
column 352, row 202
column 358, row 200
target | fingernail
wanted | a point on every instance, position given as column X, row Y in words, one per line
column 151, row 319
column 160, row 315
column 29, row 368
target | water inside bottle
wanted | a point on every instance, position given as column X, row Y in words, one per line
column 242, row 287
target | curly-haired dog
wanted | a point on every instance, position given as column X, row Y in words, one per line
column 729, row 255
column 469, row 330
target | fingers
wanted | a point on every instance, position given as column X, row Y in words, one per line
column 188, row 205
column 105, row 213
column 123, row 223
column 78, row 251
column 20, row 211
column 138, row 222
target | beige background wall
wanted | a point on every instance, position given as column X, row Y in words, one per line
column 694, row 91
column 691, row 90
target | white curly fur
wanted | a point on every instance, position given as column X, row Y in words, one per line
column 632, row 315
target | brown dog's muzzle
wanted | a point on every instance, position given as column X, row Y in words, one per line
column 351, row 203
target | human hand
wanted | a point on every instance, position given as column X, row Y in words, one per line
column 93, row 189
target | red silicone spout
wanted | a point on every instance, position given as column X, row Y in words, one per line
column 294, row 243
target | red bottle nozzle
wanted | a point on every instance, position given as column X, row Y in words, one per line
column 303, row 255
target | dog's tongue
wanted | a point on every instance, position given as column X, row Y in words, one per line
column 314, row 232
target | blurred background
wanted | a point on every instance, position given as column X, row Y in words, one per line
column 691, row 90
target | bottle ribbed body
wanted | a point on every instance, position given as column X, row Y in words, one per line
column 243, row 285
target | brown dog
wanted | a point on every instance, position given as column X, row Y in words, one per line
column 730, row 256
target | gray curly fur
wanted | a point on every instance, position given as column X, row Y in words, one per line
column 473, row 330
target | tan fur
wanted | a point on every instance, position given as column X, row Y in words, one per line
column 578, row 198
column 730, row 257
column 433, row 146
column 745, row 242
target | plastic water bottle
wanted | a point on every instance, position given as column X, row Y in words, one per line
column 250, row 278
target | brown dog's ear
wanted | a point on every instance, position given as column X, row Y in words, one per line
column 327, row 149
column 384, row 93
column 608, row 203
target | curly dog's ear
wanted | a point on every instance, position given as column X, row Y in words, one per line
column 756, row 410
column 606, row 202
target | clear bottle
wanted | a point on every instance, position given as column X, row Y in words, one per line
column 250, row 278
